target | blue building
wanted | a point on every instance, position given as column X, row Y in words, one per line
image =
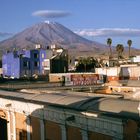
column 25, row 63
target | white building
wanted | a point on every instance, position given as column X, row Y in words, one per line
column 136, row 59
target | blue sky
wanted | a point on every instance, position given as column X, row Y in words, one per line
column 94, row 19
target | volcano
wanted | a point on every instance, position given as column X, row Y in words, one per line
column 48, row 33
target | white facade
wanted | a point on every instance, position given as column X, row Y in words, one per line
column 131, row 71
column 46, row 64
column 136, row 59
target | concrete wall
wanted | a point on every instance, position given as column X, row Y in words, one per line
column 55, row 77
column 77, row 78
column 120, row 73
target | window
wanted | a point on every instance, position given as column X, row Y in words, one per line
column 25, row 64
column 35, row 55
column 48, row 47
column 42, row 55
column 36, row 64
column 43, row 64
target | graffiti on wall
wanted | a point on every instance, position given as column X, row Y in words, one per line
column 85, row 79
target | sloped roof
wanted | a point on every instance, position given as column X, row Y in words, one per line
column 79, row 102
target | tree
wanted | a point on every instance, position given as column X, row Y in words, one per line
column 80, row 65
column 120, row 49
column 86, row 64
column 109, row 42
column 129, row 42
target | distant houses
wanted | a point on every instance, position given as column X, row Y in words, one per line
column 40, row 62
column 33, row 63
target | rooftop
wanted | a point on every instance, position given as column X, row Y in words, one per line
column 80, row 102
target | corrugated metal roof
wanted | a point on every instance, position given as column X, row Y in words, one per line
column 57, row 98
column 16, row 94
column 117, row 106
column 126, row 108
column 9, row 94
column 48, row 98
column 69, row 100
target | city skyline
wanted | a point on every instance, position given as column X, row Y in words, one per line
column 94, row 19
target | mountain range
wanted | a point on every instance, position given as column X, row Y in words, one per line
column 48, row 33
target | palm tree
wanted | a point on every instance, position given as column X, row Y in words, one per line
column 109, row 42
column 129, row 42
column 120, row 49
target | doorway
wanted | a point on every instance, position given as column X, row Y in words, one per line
column 3, row 129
